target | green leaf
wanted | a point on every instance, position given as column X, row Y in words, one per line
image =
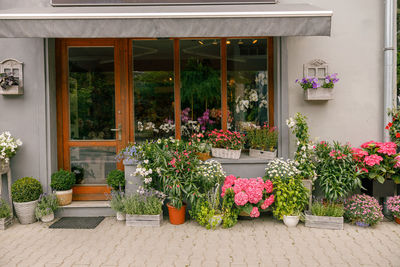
column 380, row 179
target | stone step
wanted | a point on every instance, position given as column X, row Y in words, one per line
column 86, row 209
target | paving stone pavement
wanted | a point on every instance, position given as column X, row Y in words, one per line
column 260, row 242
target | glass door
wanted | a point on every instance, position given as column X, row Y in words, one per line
column 93, row 123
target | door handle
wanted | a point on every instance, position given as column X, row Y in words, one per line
column 119, row 130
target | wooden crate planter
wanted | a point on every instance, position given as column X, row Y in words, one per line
column 5, row 223
column 144, row 220
column 255, row 153
column 324, row 222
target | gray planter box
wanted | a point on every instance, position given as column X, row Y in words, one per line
column 5, row 223
column 144, row 220
column 324, row 222
column 318, row 94
column 262, row 154
column 132, row 182
column 308, row 184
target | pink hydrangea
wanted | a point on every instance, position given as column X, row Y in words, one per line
column 241, row 198
column 268, row 186
column 268, row 202
column 254, row 212
column 370, row 144
column 373, row 160
column 388, row 148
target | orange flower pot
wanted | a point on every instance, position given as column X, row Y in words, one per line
column 176, row 216
column 396, row 219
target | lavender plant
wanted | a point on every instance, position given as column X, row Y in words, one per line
column 47, row 205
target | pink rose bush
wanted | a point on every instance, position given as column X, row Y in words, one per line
column 250, row 195
column 378, row 161
column 393, row 205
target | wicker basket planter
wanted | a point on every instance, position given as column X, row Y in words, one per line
column 64, row 197
column 324, row 222
column 255, row 153
column 144, row 220
column 5, row 223
column 225, row 153
column 26, row 211
column 318, row 94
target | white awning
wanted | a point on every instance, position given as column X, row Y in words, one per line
column 167, row 21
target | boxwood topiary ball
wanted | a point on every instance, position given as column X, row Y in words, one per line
column 26, row 189
column 116, row 179
column 62, row 180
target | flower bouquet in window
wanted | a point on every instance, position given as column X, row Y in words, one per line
column 263, row 141
column 226, row 144
column 201, row 146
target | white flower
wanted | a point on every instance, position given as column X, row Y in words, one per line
column 146, row 161
column 290, row 122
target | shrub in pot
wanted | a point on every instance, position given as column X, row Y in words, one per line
column 25, row 193
column 5, row 215
column 116, row 179
column 62, row 182
column 47, row 206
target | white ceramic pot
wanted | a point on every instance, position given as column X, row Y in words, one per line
column 26, row 211
column 47, row 218
column 64, row 197
column 121, row 216
column 291, row 221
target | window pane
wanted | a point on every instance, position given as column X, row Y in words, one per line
column 91, row 93
column 153, row 83
column 247, row 82
column 93, row 163
column 201, row 85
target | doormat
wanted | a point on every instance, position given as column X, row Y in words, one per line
column 77, row 223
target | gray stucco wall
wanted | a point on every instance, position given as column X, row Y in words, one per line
column 27, row 116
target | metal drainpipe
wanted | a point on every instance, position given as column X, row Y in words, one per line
column 389, row 60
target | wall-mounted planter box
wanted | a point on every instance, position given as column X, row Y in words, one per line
column 255, row 153
column 144, row 220
column 5, row 223
column 12, row 68
column 324, row 222
column 318, row 94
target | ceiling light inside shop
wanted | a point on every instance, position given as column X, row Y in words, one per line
column 201, row 42
column 255, row 41
column 228, row 42
column 240, row 42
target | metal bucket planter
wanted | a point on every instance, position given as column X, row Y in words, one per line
column 5, row 223
column 144, row 220
column 47, row 218
column 64, row 197
column 225, row 153
column 4, row 167
column 324, row 222
column 255, row 153
column 121, row 216
column 318, row 94
column 26, row 211
column 132, row 182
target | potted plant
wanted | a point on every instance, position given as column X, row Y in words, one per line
column 201, row 146
column 250, row 195
column 313, row 90
column 363, row 210
column 291, row 199
column 325, row 216
column 5, row 215
column 62, row 182
column 25, row 193
column 393, row 205
column 47, row 206
column 116, row 179
column 338, row 172
column 144, row 208
column 8, row 148
column 262, row 141
column 117, row 204
column 226, row 144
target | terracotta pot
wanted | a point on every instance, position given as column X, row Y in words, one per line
column 203, row 156
column 64, row 197
column 176, row 216
column 397, row 219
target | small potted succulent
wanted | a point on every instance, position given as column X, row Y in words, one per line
column 5, row 215
column 393, row 205
column 47, row 206
column 25, row 193
column 117, row 204
column 226, row 144
column 144, row 208
column 116, row 179
column 262, row 141
column 363, row 210
column 62, row 182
